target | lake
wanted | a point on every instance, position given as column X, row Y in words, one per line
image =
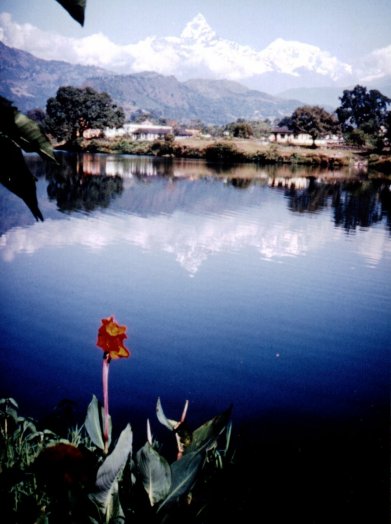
column 263, row 287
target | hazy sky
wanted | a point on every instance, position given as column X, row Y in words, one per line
column 346, row 28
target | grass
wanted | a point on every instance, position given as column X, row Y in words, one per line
column 237, row 150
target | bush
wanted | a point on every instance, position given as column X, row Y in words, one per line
column 49, row 479
column 222, row 152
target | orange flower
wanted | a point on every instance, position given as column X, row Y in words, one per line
column 63, row 466
column 111, row 339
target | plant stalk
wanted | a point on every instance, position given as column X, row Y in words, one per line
column 105, row 382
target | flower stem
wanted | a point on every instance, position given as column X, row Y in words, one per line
column 105, row 381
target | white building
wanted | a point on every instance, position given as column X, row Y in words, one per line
column 142, row 131
column 283, row 135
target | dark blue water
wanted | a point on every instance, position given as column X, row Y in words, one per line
column 234, row 290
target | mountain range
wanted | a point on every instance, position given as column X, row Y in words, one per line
column 282, row 63
column 284, row 68
column 29, row 81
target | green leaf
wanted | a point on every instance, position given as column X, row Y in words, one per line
column 170, row 424
column 94, row 423
column 205, row 436
column 9, row 407
column 23, row 131
column 155, row 473
column 228, row 436
column 76, row 8
column 9, row 402
column 31, row 138
column 183, row 475
column 109, row 472
column 15, row 175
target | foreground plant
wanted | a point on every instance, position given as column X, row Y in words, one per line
column 111, row 338
column 86, row 479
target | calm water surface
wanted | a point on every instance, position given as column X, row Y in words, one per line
column 240, row 286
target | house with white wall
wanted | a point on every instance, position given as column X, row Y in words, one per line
column 143, row 131
column 283, row 135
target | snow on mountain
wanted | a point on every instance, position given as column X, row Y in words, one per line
column 198, row 29
column 290, row 57
column 199, row 51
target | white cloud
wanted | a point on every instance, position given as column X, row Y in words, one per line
column 95, row 49
column 148, row 55
column 376, row 64
column 196, row 52
column 190, row 239
column 42, row 44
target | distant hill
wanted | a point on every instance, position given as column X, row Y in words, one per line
column 211, row 101
column 29, row 81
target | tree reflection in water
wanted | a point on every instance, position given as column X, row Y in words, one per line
column 77, row 190
column 355, row 203
column 87, row 182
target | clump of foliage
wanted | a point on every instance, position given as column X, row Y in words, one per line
column 312, row 120
column 17, row 133
column 364, row 117
column 89, row 477
column 50, row 479
column 73, row 110
column 223, row 152
column 240, row 129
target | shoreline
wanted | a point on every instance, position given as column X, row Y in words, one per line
column 229, row 151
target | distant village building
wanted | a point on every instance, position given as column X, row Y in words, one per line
column 142, row 131
column 283, row 135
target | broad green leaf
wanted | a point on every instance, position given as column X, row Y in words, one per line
column 170, row 424
column 111, row 469
column 206, row 435
column 9, row 407
column 183, row 475
column 155, row 473
column 76, row 8
column 94, row 423
column 15, row 175
column 42, row 519
column 31, row 138
column 9, row 401
column 228, row 436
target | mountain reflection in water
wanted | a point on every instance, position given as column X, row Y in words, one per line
column 268, row 288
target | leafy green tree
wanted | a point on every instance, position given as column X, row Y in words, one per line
column 387, row 125
column 286, row 122
column 73, row 110
column 312, row 120
column 261, row 128
column 37, row 115
column 363, row 110
column 20, row 132
column 240, row 129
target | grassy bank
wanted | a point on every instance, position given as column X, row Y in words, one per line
column 236, row 150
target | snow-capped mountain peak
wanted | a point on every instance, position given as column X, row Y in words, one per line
column 198, row 52
column 290, row 56
column 198, row 29
column 198, row 46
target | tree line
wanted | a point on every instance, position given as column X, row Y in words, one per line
column 363, row 118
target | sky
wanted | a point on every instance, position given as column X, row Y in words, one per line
column 347, row 29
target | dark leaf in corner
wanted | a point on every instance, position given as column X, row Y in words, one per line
column 76, row 8
column 15, row 175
